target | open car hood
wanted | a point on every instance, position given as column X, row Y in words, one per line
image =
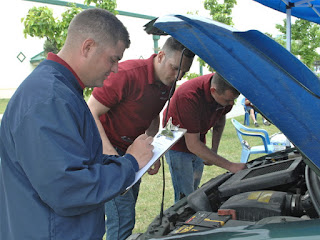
column 281, row 87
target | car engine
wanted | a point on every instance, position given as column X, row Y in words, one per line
column 275, row 188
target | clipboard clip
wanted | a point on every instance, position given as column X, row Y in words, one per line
column 167, row 131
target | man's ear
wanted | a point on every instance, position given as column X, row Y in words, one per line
column 87, row 47
column 213, row 89
column 161, row 56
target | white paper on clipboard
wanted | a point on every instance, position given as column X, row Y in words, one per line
column 161, row 144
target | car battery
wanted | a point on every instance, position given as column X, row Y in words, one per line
column 202, row 221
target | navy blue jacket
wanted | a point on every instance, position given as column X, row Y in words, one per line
column 54, row 179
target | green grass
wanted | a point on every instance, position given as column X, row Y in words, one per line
column 3, row 104
column 149, row 201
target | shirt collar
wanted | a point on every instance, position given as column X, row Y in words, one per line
column 207, row 86
column 150, row 66
column 56, row 58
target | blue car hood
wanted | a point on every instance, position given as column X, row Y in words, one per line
column 277, row 83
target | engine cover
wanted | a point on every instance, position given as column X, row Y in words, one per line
column 254, row 206
column 263, row 177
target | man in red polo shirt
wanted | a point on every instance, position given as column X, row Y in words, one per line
column 198, row 105
column 128, row 105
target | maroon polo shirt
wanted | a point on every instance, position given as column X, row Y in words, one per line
column 193, row 108
column 134, row 100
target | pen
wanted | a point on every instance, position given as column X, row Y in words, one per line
column 126, row 139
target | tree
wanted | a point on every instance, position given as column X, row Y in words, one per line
column 41, row 23
column 305, row 39
column 109, row 5
column 220, row 12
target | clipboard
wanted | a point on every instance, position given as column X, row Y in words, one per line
column 161, row 144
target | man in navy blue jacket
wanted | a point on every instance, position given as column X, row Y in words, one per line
column 54, row 179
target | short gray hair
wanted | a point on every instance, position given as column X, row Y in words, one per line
column 222, row 85
column 171, row 45
column 100, row 25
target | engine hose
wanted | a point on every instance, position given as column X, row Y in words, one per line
column 313, row 185
column 315, row 181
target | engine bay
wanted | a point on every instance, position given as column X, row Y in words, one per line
column 275, row 188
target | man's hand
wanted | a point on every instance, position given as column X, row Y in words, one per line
column 155, row 168
column 236, row 167
column 141, row 149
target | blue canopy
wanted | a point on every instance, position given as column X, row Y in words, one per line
column 305, row 9
column 275, row 81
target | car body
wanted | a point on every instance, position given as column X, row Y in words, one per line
column 269, row 200
column 277, row 196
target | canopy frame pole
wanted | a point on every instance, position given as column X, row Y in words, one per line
column 288, row 30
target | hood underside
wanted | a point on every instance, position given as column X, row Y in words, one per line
column 280, row 86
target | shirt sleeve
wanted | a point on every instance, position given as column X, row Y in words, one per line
column 60, row 152
column 187, row 110
column 113, row 91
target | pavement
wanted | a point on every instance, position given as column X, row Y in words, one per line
column 7, row 93
column 237, row 109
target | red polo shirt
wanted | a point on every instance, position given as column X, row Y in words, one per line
column 193, row 108
column 134, row 99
